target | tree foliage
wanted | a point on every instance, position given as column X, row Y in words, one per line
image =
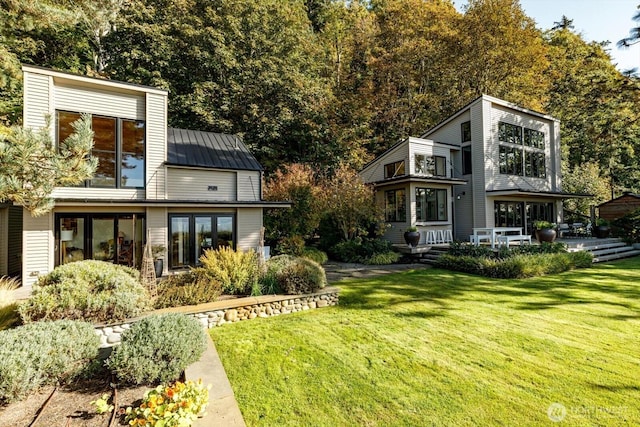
column 32, row 165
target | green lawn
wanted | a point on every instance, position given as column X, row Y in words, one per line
column 433, row 347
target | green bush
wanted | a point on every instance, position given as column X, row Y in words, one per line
column 383, row 258
column 94, row 291
column 360, row 249
column 293, row 276
column 315, row 255
column 157, row 348
column 43, row 353
column 236, row 271
column 291, row 245
column 190, row 288
column 517, row 266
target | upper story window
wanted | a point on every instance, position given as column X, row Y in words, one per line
column 119, row 146
column 527, row 160
column 394, row 169
column 466, row 131
column 430, row 165
column 466, row 160
column 509, row 133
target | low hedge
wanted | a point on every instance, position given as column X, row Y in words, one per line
column 95, row 291
column 157, row 348
column 293, row 276
column 190, row 288
column 517, row 266
column 43, row 353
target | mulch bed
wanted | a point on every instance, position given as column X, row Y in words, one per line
column 70, row 406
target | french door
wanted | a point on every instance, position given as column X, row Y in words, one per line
column 192, row 234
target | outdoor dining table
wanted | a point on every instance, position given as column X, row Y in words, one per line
column 493, row 232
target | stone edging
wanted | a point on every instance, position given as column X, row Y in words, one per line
column 233, row 310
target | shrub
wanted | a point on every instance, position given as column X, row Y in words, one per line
column 170, row 405
column 44, row 353
column 95, row 291
column 8, row 306
column 157, row 348
column 315, row 255
column 293, row 245
column 190, row 288
column 235, row 270
column 295, row 276
column 383, row 258
column 360, row 249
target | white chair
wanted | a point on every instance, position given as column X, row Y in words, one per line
column 439, row 236
column 448, row 236
column 431, row 237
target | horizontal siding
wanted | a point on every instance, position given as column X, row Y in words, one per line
column 97, row 194
column 248, row 185
column 375, row 171
column 95, row 100
column 157, row 229
column 36, row 100
column 451, row 133
column 14, row 266
column 156, row 127
column 193, row 184
column 249, row 223
column 38, row 241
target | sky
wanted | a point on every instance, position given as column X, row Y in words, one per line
column 596, row 20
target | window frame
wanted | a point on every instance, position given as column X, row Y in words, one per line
column 398, row 167
column 422, row 203
column 465, row 129
column 467, row 161
column 118, row 149
column 431, row 165
column 396, row 211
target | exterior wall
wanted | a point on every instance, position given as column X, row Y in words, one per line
column 451, row 133
column 38, row 89
column 38, row 241
column 248, row 185
column 194, row 184
column 158, row 231
column 480, row 123
column 156, row 150
column 395, row 231
column 375, row 171
column 248, row 226
column 76, row 97
column 426, row 147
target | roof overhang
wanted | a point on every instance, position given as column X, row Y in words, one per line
column 419, row 179
column 173, row 203
column 519, row 192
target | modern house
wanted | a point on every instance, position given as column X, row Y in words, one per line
column 184, row 190
column 491, row 164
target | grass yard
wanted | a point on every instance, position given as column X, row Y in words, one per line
column 433, row 347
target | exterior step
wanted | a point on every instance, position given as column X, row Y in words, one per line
column 619, row 255
column 596, row 247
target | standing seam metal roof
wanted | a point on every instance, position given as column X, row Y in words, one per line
column 208, row 150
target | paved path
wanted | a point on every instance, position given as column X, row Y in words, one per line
column 337, row 271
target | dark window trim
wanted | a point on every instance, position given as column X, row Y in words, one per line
column 397, row 205
column 119, row 150
column 467, row 160
column 396, row 168
column 465, row 128
column 446, row 204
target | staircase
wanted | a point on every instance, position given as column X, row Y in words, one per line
column 434, row 253
column 603, row 249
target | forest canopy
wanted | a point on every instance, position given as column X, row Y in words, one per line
column 327, row 82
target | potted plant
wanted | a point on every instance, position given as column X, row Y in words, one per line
column 602, row 229
column 412, row 236
column 157, row 251
column 545, row 231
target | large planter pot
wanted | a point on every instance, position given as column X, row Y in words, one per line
column 412, row 238
column 601, row 231
column 546, row 235
column 158, row 264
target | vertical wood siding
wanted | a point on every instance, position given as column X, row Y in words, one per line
column 38, row 250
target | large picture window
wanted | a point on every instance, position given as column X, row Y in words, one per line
column 192, row 234
column 509, row 133
column 395, row 206
column 119, row 146
column 528, row 160
column 431, row 204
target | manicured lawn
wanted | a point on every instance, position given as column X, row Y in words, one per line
column 433, row 347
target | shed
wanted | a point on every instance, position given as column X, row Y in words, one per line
column 619, row 207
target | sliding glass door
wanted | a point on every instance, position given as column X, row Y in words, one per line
column 192, row 234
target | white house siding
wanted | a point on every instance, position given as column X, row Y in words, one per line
column 428, row 148
column 157, row 229
column 91, row 99
column 156, row 127
column 36, row 100
column 451, row 133
column 375, row 171
column 248, row 185
column 200, row 184
column 38, row 241
column 249, row 223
